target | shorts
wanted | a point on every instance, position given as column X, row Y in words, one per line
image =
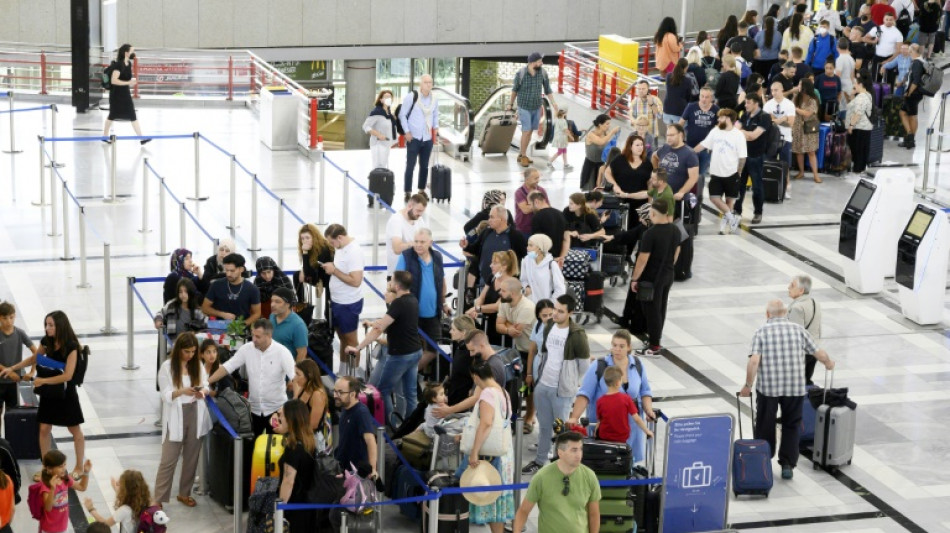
column 911, row 102
column 728, row 186
column 926, row 39
column 9, row 395
column 431, row 327
column 530, row 119
column 560, row 151
column 346, row 317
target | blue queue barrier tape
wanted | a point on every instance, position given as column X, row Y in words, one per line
column 334, row 165
column 20, row 110
column 212, row 143
column 293, row 214
column 5, row 94
column 213, row 407
column 154, row 279
column 151, row 315
column 121, row 138
column 421, row 333
column 402, row 459
column 203, row 230
column 266, row 189
column 314, row 506
column 321, row 364
column 244, row 168
column 150, row 137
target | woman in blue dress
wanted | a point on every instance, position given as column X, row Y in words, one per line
column 634, row 383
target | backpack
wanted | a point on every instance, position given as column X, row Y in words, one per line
column 236, row 410
column 358, row 492
column 327, row 483
column 34, row 500
column 931, row 80
column 152, row 520
column 105, row 78
column 82, row 363
column 775, row 142
column 712, row 73
column 415, row 98
column 602, row 367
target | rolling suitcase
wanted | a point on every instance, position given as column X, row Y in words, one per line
column 940, row 41
column 837, row 153
column 373, row 400
column 267, row 452
column 806, row 429
column 441, row 181
column 775, row 180
column 751, row 462
column 20, row 425
column 355, row 523
column 891, row 110
column 616, row 516
column 577, row 291
column 646, row 498
column 880, row 90
column 683, row 268
column 576, row 264
column 221, row 474
column 498, row 133
column 834, row 433
column 594, row 293
column 876, row 145
column 416, row 447
column 610, row 458
column 382, row 181
column 453, row 509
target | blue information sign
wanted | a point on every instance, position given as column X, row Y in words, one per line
column 697, row 471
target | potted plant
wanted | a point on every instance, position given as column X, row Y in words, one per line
column 237, row 332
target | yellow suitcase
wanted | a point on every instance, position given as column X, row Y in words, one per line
column 267, row 451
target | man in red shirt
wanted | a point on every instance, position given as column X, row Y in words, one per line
column 879, row 10
column 614, row 410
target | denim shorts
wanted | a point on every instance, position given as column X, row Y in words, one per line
column 529, row 119
column 346, row 317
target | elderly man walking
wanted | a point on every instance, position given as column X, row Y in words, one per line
column 777, row 360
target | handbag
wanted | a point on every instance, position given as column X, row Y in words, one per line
column 811, row 125
column 645, row 291
column 498, row 441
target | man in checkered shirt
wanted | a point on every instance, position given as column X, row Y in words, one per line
column 778, row 358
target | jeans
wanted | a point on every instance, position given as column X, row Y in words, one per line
column 400, row 369
column 376, row 378
column 946, row 24
column 753, row 169
column 421, row 150
column 548, row 406
column 766, row 409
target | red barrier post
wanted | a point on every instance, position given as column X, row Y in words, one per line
column 577, row 76
column 42, row 72
column 593, row 87
column 603, row 89
column 613, row 93
column 253, row 72
column 135, row 74
column 646, row 60
column 560, row 72
column 313, row 123
column 230, row 78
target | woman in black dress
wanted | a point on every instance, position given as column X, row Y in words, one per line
column 297, row 462
column 59, row 344
column 120, row 95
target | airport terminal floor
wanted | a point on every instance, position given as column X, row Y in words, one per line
column 898, row 373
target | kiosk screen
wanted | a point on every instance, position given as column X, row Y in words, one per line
column 860, row 198
column 919, row 223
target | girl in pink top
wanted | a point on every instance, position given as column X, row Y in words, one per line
column 668, row 45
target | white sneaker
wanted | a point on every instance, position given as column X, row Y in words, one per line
column 736, row 220
column 551, row 165
column 724, row 223
column 788, row 194
column 568, row 167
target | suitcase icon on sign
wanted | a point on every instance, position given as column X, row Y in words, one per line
column 696, row 476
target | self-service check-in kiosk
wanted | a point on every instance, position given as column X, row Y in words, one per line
column 870, row 226
column 923, row 252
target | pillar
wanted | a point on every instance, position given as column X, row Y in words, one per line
column 360, row 77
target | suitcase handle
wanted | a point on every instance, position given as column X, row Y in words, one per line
column 831, row 374
column 739, row 414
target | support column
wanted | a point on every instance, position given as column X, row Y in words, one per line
column 360, row 76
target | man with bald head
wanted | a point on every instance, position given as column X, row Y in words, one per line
column 419, row 116
column 515, row 316
column 497, row 237
column 777, row 360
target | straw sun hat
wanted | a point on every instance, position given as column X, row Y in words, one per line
column 483, row 475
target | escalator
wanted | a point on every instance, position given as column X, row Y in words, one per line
column 459, row 125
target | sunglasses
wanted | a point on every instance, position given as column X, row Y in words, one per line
column 567, row 486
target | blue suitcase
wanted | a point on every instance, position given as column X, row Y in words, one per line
column 806, row 429
column 751, row 463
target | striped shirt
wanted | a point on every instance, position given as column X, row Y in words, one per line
column 782, row 345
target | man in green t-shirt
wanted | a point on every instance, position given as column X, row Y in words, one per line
column 660, row 190
column 566, row 492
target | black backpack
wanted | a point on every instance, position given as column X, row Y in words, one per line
column 82, row 363
column 775, row 142
column 415, row 98
column 105, row 78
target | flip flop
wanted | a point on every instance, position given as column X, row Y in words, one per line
column 187, row 501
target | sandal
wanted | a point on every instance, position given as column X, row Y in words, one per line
column 188, row 501
column 528, row 428
column 799, row 176
column 818, row 180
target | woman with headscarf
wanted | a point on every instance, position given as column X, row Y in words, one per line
column 181, row 267
column 269, row 278
column 214, row 266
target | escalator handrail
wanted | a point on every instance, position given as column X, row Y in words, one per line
column 467, row 105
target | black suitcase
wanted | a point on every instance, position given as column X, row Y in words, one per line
column 608, row 458
column 441, row 181
column 21, row 427
column 382, row 181
column 453, row 509
column 355, row 523
column 683, row 268
column 646, row 498
column 221, row 476
column 876, row 147
column 594, row 293
column 940, row 41
column 774, row 180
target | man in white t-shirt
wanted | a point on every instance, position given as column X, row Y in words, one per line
column 346, row 299
column 782, row 111
column 728, row 148
column 401, row 229
column 887, row 38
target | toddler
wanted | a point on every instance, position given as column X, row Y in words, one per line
column 613, row 409
column 434, row 396
column 561, row 137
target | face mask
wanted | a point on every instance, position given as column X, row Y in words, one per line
column 822, row 31
column 388, row 102
column 532, row 255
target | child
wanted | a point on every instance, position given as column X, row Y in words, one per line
column 209, row 358
column 51, row 493
column 7, row 503
column 434, row 396
column 131, row 498
column 613, row 408
column 561, row 137
column 12, row 340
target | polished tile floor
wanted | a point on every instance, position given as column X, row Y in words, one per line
column 898, row 373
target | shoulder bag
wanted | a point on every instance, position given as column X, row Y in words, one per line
column 498, row 441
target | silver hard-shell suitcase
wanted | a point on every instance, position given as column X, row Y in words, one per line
column 834, row 433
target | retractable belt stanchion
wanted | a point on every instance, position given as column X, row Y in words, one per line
column 54, row 118
column 12, row 149
column 519, row 437
column 376, row 229
column 254, row 247
column 233, row 200
column 278, row 515
column 197, row 197
column 83, row 272
column 54, row 231
column 112, row 170
column 346, row 199
column 65, row 198
column 107, row 292
column 463, row 286
column 130, row 323
column 42, row 201
column 923, row 186
column 322, row 189
column 161, row 218
column 381, row 453
column 145, row 197
column 238, row 462
column 181, row 224
column 280, row 232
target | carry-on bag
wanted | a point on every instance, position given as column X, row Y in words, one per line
column 837, row 153
column 834, row 432
column 268, row 449
column 646, row 498
column 604, row 457
column 441, row 186
column 382, row 181
column 221, row 474
column 453, row 508
column 775, row 180
column 616, row 516
column 21, row 427
column 751, row 461
column 876, row 146
column 498, row 133
column 594, row 293
column 373, row 400
column 891, row 110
